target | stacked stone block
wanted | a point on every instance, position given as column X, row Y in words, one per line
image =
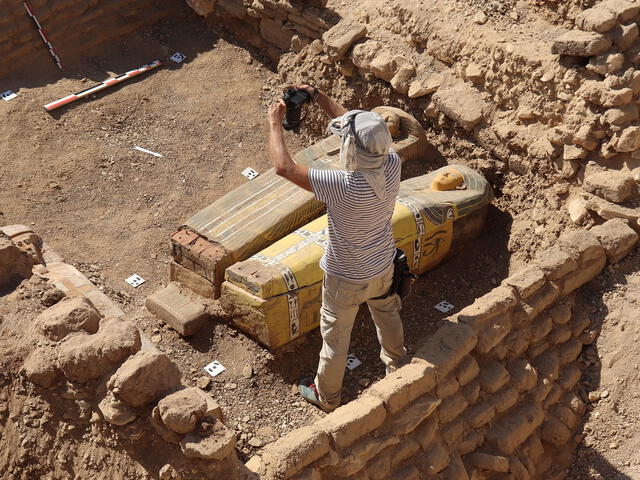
column 490, row 395
column 72, row 26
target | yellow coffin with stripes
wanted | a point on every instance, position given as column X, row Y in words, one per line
column 275, row 295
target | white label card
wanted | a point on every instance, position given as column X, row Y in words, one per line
column 8, row 95
column 214, row 368
column 353, row 362
column 444, row 306
column 250, row 173
column 135, row 280
column 178, row 57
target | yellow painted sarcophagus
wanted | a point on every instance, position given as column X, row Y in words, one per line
column 275, row 295
column 264, row 210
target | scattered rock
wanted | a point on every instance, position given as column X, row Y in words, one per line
column 573, row 152
column 596, row 19
column 604, row 394
column 629, row 140
column 160, row 428
column 480, row 18
column 425, row 85
column 606, row 64
column 621, row 116
column 624, row 36
column 474, row 73
column 83, row 357
column 168, row 473
column 383, row 66
column 615, row 186
column 144, row 377
column 624, row 9
column 364, row 382
column 339, row 38
column 115, row 411
column 580, row 44
column 255, row 442
column 203, row 382
column 400, row 81
column 461, row 103
column 181, row 410
column 211, row 441
column 594, row 396
column 577, row 211
column 247, row 371
column 71, row 314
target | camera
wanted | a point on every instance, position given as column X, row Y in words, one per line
column 294, row 99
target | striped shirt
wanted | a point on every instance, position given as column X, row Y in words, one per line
column 361, row 244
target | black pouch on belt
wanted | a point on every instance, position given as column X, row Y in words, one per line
column 403, row 279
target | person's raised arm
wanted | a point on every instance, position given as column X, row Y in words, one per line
column 328, row 104
column 278, row 152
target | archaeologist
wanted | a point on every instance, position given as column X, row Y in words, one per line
column 359, row 259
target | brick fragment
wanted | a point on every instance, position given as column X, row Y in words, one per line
column 624, row 9
column 184, row 315
column 446, row 348
column 574, row 402
column 517, row 342
column 542, row 390
column 354, row 420
column 493, row 376
column 405, row 385
column 339, row 38
column 596, row 19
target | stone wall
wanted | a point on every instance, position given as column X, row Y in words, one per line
column 72, row 27
column 492, row 394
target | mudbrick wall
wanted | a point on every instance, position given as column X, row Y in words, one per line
column 492, row 394
column 72, row 27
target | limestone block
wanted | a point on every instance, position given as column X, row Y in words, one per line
column 289, row 454
column 446, row 348
column 580, row 44
column 15, row 264
column 354, row 420
column 363, row 53
column 629, row 140
column 617, row 238
column 514, row 427
column 447, row 387
column 582, row 245
column 40, row 367
column 481, row 414
column 497, row 329
column 569, row 351
column 526, row 281
column 498, row 301
column 467, row 370
column 505, row 399
column 555, row 432
column 555, row 263
column 434, row 460
column 180, row 411
column 461, row 103
column 625, row 10
column 400, row 81
column 383, row 66
column 485, row 461
column 606, row 64
column 211, row 441
column 71, row 314
column 426, row 431
column 493, row 376
column 144, row 377
column 621, row 116
column 522, row 374
column 596, row 19
column 115, row 411
column 273, row 31
column 339, row 38
column 84, row 357
column 623, row 36
column 453, row 432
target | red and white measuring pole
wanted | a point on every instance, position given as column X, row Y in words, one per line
column 101, row 86
column 42, row 35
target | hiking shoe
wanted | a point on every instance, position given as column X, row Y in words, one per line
column 309, row 392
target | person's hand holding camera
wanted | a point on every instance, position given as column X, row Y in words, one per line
column 276, row 113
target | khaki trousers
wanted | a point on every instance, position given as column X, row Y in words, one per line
column 340, row 301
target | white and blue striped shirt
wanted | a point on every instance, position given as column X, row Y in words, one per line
column 361, row 244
